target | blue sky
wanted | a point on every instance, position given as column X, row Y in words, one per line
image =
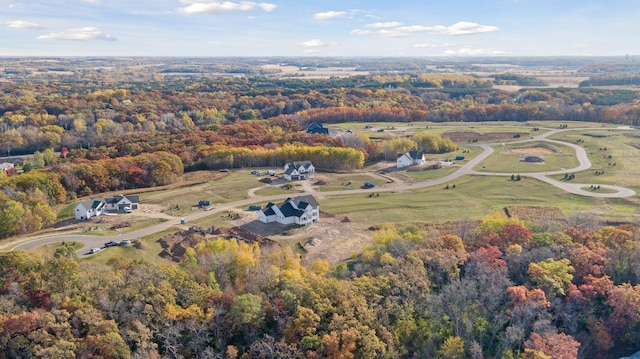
column 319, row 28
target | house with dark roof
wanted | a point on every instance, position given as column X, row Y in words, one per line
column 317, row 128
column 98, row 206
column 301, row 210
column 300, row 170
column 121, row 202
column 90, row 208
column 410, row 158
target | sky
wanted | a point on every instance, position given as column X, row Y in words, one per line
column 411, row 28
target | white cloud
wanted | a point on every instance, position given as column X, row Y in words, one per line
column 382, row 25
column 312, row 51
column 313, row 43
column 392, row 33
column 473, row 52
column 431, row 45
column 329, row 15
column 218, row 7
column 81, row 34
column 361, row 32
column 19, row 24
column 464, row 28
column 397, row 29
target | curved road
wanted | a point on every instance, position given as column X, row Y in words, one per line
column 467, row 169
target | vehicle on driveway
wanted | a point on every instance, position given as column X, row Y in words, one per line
column 111, row 244
column 124, row 242
column 94, row 250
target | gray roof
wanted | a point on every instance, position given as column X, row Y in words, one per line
column 306, row 199
column 132, row 199
column 92, row 203
column 415, row 155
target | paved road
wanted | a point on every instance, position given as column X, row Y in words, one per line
column 465, row 170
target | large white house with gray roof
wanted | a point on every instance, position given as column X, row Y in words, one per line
column 299, row 170
column 301, row 210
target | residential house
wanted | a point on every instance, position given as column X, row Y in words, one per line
column 121, row 202
column 301, row 210
column 410, row 158
column 317, row 128
column 90, row 208
column 300, row 170
column 98, row 206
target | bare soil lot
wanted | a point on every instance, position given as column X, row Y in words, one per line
column 331, row 239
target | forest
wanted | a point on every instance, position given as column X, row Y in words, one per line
column 497, row 288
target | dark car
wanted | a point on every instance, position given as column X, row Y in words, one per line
column 111, row 244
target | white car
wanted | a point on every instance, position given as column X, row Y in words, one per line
column 127, row 209
column 94, row 250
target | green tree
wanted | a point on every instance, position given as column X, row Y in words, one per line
column 553, row 276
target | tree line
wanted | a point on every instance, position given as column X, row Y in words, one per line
column 498, row 288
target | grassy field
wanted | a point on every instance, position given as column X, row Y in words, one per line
column 149, row 250
column 473, row 198
column 229, row 189
column 48, row 250
column 615, row 153
column 421, row 176
column 134, row 225
column 506, row 160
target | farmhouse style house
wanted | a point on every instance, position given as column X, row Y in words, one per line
column 410, row 158
column 300, row 170
column 301, row 210
column 98, row 206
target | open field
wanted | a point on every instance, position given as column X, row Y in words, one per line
column 616, row 155
column 505, row 160
column 474, row 197
column 232, row 187
column 147, row 249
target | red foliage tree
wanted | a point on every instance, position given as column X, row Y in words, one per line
column 555, row 345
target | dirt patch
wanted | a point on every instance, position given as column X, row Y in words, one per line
column 534, row 150
column 428, row 165
column 332, row 238
column 534, row 213
column 469, row 136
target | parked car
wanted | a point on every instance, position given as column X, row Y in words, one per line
column 94, row 250
column 111, row 244
column 125, row 241
column 127, row 209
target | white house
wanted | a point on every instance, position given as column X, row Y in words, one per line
column 98, row 206
column 121, row 202
column 410, row 158
column 300, row 170
column 5, row 166
column 90, row 208
column 301, row 210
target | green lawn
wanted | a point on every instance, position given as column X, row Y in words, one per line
column 421, row 176
column 229, row 189
column 149, row 252
column 474, row 197
column 509, row 161
column 621, row 168
column 133, row 226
